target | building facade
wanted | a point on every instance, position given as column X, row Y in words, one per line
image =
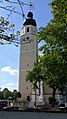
column 28, row 54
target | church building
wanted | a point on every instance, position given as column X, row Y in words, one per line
column 28, row 54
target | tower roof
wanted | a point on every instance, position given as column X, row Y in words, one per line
column 30, row 20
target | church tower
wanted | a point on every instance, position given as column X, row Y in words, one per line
column 28, row 54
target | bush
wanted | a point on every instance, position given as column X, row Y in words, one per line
column 51, row 100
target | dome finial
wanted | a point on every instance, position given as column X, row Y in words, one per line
column 30, row 15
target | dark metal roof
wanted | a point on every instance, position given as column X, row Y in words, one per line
column 30, row 20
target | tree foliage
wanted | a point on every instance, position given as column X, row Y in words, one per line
column 35, row 75
column 8, row 33
column 55, row 33
column 55, row 47
column 6, row 93
column 14, row 94
column 53, row 63
column 18, row 95
column 54, row 70
column 7, row 30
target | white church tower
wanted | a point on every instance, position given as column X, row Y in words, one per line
column 28, row 54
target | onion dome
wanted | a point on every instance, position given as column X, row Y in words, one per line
column 30, row 20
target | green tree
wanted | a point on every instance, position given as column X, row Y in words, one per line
column 53, row 63
column 55, row 47
column 35, row 75
column 55, row 33
column 18, row 95
column 14, row 94
column 8, row 33
column 1, row 96
column 54, row 71
column 6, row 93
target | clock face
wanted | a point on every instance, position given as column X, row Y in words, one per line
column 27, row 38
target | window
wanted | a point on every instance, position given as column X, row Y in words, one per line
column 27, row 29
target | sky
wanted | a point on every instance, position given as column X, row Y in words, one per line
column 10, row 54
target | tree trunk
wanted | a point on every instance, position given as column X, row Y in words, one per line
column 62, row 95
column 54, row 91
column 35, row 98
